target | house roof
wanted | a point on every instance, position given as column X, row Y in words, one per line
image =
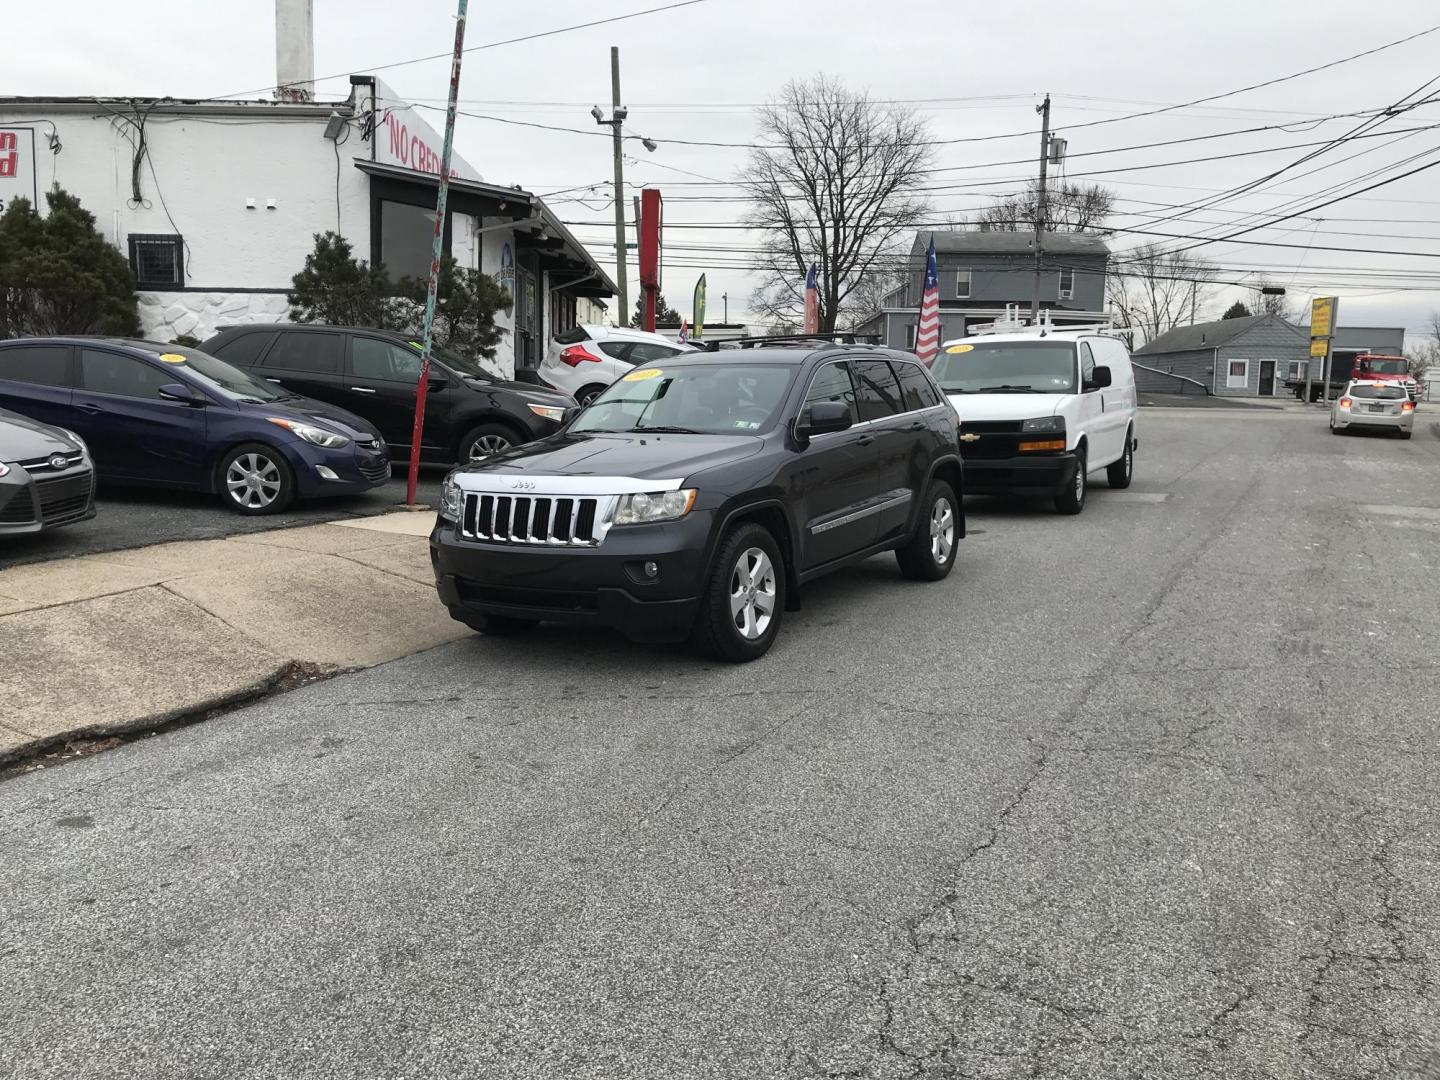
column 976, row 242
column 1209, row 335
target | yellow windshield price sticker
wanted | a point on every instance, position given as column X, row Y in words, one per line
column 959, row 348
column 643, row 374
column 172, row 358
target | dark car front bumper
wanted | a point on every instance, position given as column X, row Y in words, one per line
column 604, row 586
column 356, row 468
column 1023, row 474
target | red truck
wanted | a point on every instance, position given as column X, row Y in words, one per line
column 1373, row 366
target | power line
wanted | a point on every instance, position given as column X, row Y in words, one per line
column 477, row 48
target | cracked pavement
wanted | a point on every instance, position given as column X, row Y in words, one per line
column 1144, row 793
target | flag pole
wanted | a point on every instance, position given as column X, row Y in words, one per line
column 437, row 251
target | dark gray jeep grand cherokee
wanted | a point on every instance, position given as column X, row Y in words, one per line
column 695, row 497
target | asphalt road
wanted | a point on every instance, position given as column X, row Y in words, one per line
column 133, row 517
column 1148, row 793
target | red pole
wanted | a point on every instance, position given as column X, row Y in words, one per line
column 650, row 294
column 436, row 251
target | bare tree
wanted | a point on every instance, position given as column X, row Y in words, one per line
column 1069, row 207
column 1424, row 355
column 1152, row 290
column 838, row 185
column 1272, row 304
column 870, row 295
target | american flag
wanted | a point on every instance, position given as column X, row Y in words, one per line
column 812, row 301
column 684, row 331
column 927, row 337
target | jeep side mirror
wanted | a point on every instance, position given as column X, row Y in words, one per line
column 1099, row 378
column 823, row 418
column 570, row 413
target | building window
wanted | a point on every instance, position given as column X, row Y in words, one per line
column 1237, row 376
column 1067, row 284
column 407, row 239
column 910, row 332
column 962, row 284
column 157, row 260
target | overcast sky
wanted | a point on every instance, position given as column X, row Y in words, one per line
column 694, row 73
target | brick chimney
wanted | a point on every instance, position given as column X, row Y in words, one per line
column 295, row 50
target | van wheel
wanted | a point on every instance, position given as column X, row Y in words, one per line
column 1072, row 499
column 744, row 599
column 929, row 554
column 1119, row 473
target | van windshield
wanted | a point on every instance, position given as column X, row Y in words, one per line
column 1007, row 367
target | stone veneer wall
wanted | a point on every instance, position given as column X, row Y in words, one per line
column 164, row 316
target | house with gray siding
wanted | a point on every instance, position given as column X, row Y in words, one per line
column 983, row 272
column 1247, row 357
column 1252, row 356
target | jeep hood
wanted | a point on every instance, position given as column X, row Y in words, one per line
column 605, row 454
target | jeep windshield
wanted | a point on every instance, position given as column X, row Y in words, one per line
column 1007, row 367
column 694, row 399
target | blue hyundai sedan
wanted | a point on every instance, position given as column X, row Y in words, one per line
column 167, row 416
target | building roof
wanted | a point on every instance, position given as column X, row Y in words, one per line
column 976, row 242
column 1209, row 335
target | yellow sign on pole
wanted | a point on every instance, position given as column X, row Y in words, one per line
column 1322, row 317
column 1319, row 346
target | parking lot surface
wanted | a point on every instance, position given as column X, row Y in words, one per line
column 133, row 517
column 1148, row 793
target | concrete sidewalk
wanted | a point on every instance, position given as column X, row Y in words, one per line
column 130, row 639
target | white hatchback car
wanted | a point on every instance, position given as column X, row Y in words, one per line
column 1374, row 406
column 586, row 359
column 1041, row 409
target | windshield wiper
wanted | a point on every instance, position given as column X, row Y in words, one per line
column 1009, row 389
column 665, row 429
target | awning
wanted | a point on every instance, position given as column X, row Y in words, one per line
column 559, row 252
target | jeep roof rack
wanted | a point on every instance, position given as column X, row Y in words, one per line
column 840, row 337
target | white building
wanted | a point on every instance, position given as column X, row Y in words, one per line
column 217, row 203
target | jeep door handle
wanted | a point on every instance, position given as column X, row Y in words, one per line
column 90, row 410
column 362, row 390
column 917, row 425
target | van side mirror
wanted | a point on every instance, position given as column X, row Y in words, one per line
column 1099, row 378
column 823, row 418
column 181, row 393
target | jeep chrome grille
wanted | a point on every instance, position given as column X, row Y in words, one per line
column 551, row 520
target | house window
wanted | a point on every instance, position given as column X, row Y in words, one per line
column 962, row 284
column 1237, row 375
column 1067, row 284
column 157, row 260
column 910, row 332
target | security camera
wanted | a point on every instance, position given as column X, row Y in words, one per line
column 649, row 144
column 595, row 112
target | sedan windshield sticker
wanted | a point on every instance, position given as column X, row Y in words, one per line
column 643, row 374
column 959, row 348
column 172, row 358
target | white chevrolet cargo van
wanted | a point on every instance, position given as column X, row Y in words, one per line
column 1041, row 408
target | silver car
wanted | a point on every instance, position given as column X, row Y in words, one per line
column 1373, row 406
column 46, row 476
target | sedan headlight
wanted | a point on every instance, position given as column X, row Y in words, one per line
column 549, row 412
column 451, row 499
column 1044, row 423
column 316, row 436
column 652, row 506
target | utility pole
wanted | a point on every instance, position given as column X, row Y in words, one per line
column 617, row 115
column 1040, row 206
column 725, row 299
column 437, row 249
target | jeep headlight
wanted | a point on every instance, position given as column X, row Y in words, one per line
column 652, row 506
column 1044, row 423
column 451, row 499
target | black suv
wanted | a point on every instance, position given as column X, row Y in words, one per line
column 469, row 414
column 695, row 496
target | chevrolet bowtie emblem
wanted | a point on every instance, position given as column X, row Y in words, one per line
column 969, row 438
